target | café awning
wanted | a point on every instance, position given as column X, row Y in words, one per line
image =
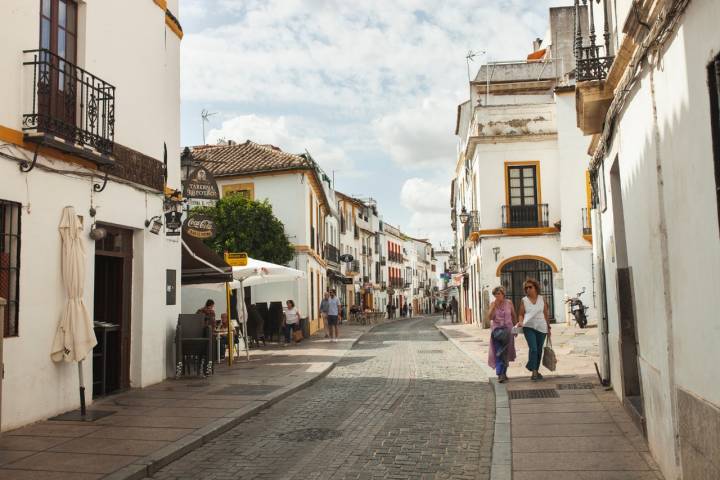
column 201, row 265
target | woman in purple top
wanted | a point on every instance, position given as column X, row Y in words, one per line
column 502, row 343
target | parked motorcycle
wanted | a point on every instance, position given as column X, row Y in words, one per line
column 578, row 309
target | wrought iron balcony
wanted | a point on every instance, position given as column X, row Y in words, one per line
column 353, row 266
column 472, row 224
column 332, row 254
column 525, row 216
column 366, row 279
column 70, row 104
column 593, row 61
column 383, row 261
column 383, row 285
column 586, row 226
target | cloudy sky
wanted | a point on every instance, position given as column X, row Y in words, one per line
column 370, row 88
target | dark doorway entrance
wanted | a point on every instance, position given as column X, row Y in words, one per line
column 626, row 308
column 514, row 274
column 112, row 303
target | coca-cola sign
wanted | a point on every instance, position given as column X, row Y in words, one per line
column 200, row 226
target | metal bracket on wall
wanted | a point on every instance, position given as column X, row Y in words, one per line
column 25, row 167
column 99, row 188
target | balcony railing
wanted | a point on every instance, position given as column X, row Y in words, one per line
column 586, row 226
column 593, row 61
column 366, row 279
column 353, row 266
column 383, row 285
column 472, row 224
column 525, row 216
column 383, row 261
column 332, row 254
column 70, row 103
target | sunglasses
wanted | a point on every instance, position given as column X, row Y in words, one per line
column 529, row 287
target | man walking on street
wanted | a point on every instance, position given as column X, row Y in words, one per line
column 454, row 310
column 324, row 313
column 333, row 312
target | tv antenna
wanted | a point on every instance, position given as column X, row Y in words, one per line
column 205, row 115
column 470, row 57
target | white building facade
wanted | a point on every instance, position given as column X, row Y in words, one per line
column 650, row 104
column 521, row 190
column 80, row 127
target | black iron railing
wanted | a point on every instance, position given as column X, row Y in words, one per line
column 593, row 61
column 70, row 103
column 525, row 216
column 353, row 266
column 366, row 279
column 472, row 224
column 332, row 254
column 586, row 226
column 383, row 261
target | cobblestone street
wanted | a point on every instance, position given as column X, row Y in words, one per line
column 404, row 403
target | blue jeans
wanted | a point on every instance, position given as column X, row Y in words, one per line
column 535, row 341
column 289, row 328
column 501, row 362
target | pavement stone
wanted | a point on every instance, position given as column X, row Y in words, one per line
column 404, row 403
column 582, row 434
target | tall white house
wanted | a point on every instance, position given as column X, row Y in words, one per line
column 521, row 190
column 648, row 96
column 89, row 118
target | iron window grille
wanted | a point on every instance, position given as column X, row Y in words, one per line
column 10, row 265
column 525, row 216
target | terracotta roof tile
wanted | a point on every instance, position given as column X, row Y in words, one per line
column 248, row 157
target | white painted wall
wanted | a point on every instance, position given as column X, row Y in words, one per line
column 144, row 68
column 672, row 300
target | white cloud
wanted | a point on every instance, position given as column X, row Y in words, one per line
column 428, row 203
column 419, row 137
column 286, row 133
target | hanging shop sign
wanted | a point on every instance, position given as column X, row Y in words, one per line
column 173, row 223
column 236, row 259
column 199, row 226
column 346, row 257
column 200, row 188
column 347, row 280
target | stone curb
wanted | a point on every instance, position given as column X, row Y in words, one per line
column 501, row 466
column 149, row 465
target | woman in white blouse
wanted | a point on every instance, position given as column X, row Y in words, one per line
column 292, row 321
column 533, row 318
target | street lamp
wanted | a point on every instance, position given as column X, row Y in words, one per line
column 464, row 216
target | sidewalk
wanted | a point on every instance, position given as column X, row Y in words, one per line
column 153, row 426
column 565, row 427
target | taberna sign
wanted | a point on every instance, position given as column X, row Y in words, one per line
column 200, row 185
column 199, row 226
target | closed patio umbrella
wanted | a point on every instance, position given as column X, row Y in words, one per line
column 75, row 337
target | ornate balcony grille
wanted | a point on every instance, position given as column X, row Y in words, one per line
column 525, row 216
column 593, row 61
column 332, row 254
column 472, row 224
column 70, row 103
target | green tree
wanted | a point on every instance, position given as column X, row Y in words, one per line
column 245, row 225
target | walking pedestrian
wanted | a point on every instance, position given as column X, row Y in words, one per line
column 389, row 310
column 502, row 342
column 323, row 313
column 533, row 318
column 333, row 313
column 292, row 321
column 454, row 310
column 410, row 310
column 444, row 308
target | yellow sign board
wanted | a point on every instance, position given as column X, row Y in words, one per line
column 236, row 259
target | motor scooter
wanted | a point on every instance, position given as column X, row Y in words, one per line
column 578, row 309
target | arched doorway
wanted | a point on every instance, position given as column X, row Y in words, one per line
column 515, row 272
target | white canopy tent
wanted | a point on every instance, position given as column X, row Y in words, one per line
column 256, row 272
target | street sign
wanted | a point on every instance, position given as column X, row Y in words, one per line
column 236, row 259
